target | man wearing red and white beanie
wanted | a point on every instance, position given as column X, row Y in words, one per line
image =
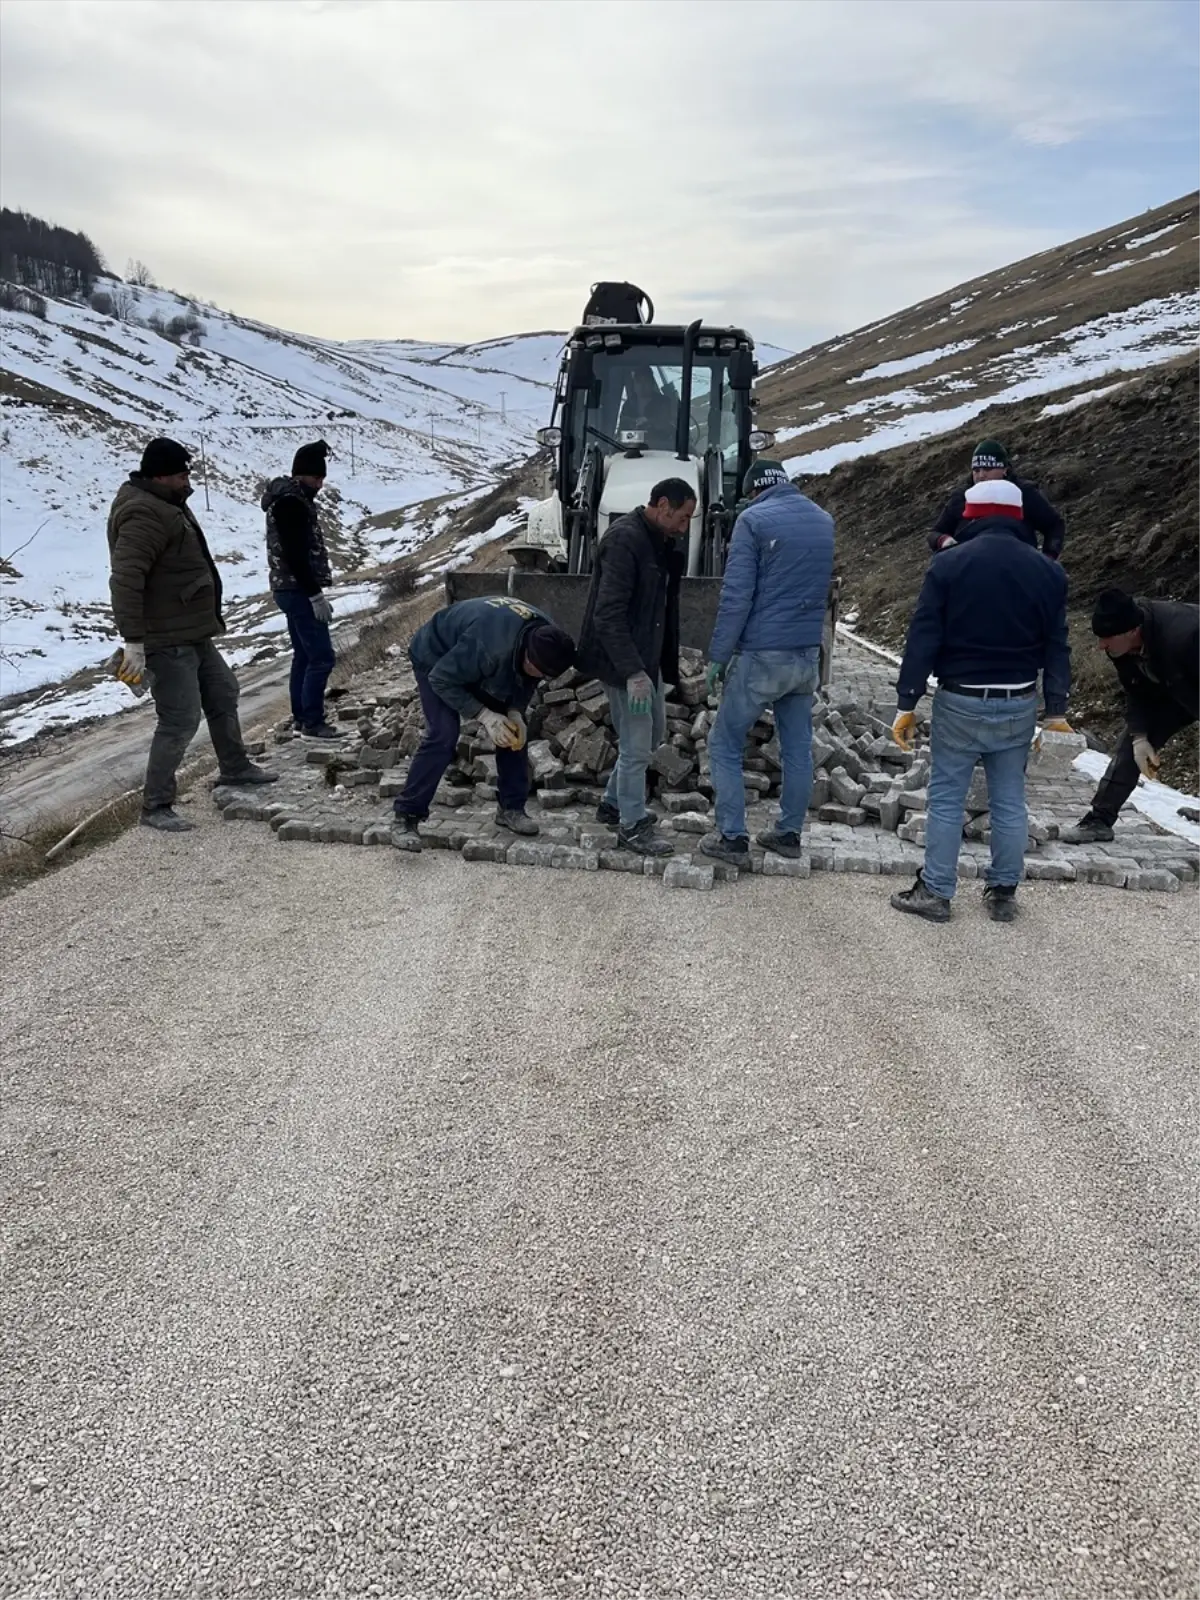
column 990, row 467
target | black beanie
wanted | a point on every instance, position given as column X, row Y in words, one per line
column 989, row 454
column 1116, row 612
column 309, row 460
column 163, row 458
column 764, row 475
column 550, row 649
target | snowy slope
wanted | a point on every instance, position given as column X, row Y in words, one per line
column 1068, row 322
column 82, row 392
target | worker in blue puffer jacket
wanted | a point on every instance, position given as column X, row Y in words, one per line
column 766, row 650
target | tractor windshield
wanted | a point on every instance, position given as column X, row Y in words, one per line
column 638, row 390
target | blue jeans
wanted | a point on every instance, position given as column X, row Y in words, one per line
column 312, row 657
column 784, row 679
column 998, row 733
column 437, row 750
column 637, row 740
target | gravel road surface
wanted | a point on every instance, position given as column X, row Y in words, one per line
column 393, row 1226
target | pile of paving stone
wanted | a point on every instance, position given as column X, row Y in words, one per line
column 867, row 813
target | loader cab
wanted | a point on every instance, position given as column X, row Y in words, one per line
column 639, row 403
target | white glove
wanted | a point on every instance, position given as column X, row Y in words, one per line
column 503, row 733
column 322, row 608
column 1146, row 757
column 133, row 662
column 516, row 720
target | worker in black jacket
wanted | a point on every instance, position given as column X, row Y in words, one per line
column 991, row 616
column 990, row 461
column 630, row 641
column 1155, row 647
column 298, row 566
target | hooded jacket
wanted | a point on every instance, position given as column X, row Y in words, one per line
column 473, row 654
column 165, row 586
column 777, row 576
column 296, row 553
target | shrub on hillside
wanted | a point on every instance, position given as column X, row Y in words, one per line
column 102, row 302
column 399, row 581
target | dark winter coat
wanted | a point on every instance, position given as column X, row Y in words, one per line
column 1040, row 517
column 1166, row 668
column 165, row 586
column 777, row 576
column 473, row 653
column 993, row 610
column 296, row 553
column 631, row 621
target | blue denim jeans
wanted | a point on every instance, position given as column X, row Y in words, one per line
column 784, row 680
column 998, row 733
column 312, row 657
column 637, row 740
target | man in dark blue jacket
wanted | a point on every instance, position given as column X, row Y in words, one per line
column 990, row 463
column 298, row 564
column 991, row 615
column 482, row 659
column 766, row 650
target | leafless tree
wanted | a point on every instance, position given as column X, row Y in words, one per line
column 138, row 272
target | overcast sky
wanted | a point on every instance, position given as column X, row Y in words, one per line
column 446, row 169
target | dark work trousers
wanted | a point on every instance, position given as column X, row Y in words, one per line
column 437, row 749
column 1165, row 717
column 312, row 657
column 189, row 681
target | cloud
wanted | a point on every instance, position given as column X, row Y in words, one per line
column 448, row 169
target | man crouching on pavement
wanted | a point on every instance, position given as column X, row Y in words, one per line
column 479, row 658
column 991, row 615
column 166, row 600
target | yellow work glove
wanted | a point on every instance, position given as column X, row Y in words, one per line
column 1146, row 757
column 517, row 721
column 1057, row 725
column 133, row 663
column 904, row 729
column 503, row 733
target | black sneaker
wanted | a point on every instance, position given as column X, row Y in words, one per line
column 404, row 833
column 735, row 852
column 322, row 730
column 1090, row 829
column 516, row 822
column 249, row 775
column 922, row 902
column 165, row 820
column 608, row 814
column 1000, row 902
column 780, row 842
column 644, row 840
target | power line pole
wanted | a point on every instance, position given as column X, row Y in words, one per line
column 503, row 397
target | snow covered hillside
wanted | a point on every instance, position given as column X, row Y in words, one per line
column 1070, row 324
column 82, row 392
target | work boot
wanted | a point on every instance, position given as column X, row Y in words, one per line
column 643, row 840
column 1000, row 902
column 165, row 820
column 322, row 730
column 516, row 822
column 734, row 852
column 1090, row 829
column 404, row 833
column 250, row 774
column 922, row 902
column 608, row 814
column 780, row 842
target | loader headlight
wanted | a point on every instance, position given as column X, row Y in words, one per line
column 612, row 341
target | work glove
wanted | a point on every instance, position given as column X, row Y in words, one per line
column 133, row 663
column 503, row 733
column 904, row 729
column 715, row 676
column 641, row 694
column 1146, row 757
column 1057, row 725
column 322, row 608
column 944, row 544
column 515, row 720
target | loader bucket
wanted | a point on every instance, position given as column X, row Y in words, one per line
column 564, row 597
